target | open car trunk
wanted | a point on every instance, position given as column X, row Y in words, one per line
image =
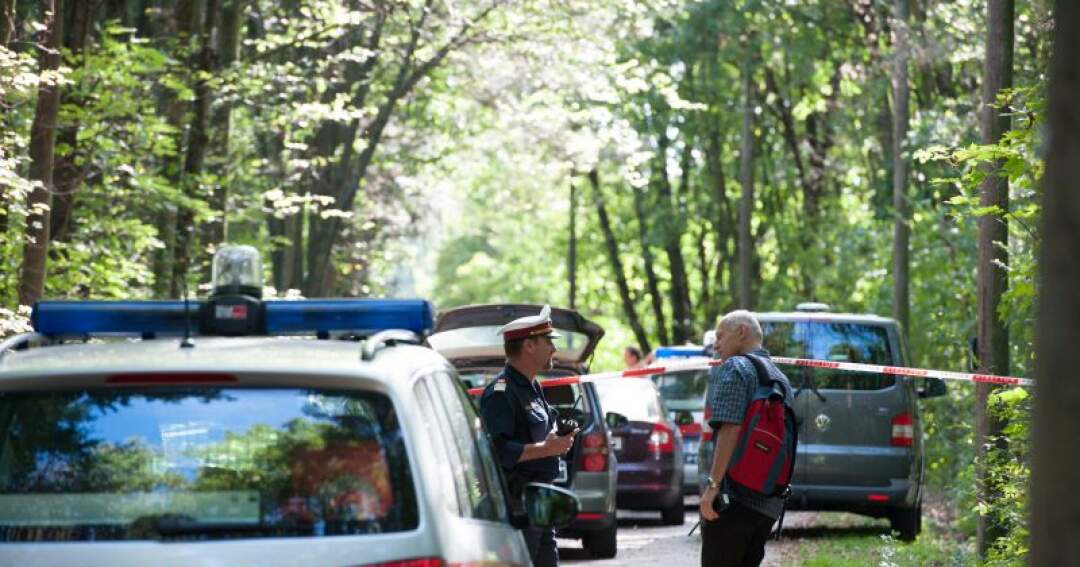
column 468, row 335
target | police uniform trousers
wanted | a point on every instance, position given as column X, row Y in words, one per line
column 736, row 538
column 542, row 548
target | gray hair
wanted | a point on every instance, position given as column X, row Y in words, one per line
column 741, row 318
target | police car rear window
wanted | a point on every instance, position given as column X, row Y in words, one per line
column 201, row 464
column 840, row 342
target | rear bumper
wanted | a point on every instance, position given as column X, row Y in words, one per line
column 587, row 522
column 596, row 498
column 649, row 485
column 870, row 500
column 650, row 500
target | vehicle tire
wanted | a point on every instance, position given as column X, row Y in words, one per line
column 601, row 544
column 907, row 522
column 675, row 515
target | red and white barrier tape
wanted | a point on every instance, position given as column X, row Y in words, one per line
column 852, row 366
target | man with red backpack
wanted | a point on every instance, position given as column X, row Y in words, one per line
column 755, row 434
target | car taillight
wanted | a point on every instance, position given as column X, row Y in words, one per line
column 423, row 562
column 594, row 448
column 691, row 429
column 661, row 440
column 903, row 431
column 706, row 429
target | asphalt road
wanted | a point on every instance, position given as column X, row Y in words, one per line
column 645, row 541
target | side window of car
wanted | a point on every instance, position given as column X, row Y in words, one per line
column 452, row 494
column 474, row 462
column 491, row 472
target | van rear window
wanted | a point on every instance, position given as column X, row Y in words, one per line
column 840, row 342
column 201, row 464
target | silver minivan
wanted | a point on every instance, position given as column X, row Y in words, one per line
column 860, row 436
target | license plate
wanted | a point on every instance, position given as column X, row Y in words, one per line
column 562, row 476
column 690, row 452
column 616, row 443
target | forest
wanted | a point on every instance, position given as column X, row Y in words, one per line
column 652, row 165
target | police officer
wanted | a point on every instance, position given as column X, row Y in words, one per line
column 520, row 422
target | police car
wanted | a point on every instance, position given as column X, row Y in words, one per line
column 236, row 431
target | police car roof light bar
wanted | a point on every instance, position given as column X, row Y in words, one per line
column 153, row 318
column 679, row 351
column 86, row 318
column 364, row 316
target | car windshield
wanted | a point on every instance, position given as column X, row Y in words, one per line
column 208, row 463
column 840, row 342
column 634, row 398
column 570, row 345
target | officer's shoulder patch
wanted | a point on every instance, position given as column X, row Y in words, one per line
column 500, row 385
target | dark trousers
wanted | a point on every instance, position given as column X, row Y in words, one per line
column 542, row 547
column 735, row 539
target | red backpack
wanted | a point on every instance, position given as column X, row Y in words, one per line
column 764, row 457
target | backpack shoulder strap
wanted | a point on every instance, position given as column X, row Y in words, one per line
column 763, row 375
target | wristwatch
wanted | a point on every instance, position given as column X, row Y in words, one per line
column 712, row 483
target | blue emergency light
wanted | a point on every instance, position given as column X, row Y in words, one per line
column 147, row 319
column 679, row 351
column 362, row 316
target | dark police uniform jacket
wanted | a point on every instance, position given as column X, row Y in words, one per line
column 516, row 414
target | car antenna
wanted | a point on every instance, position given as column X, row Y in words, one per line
column 186, row 342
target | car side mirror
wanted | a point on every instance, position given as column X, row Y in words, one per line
column 932, row 388
column 615, row 420
column 550, row 506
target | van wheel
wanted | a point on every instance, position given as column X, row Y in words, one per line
column 907, row 522
column 601, row 544
column 675, row 515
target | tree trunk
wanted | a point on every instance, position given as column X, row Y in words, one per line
column 901, row 229
column 198, row 140
column 746, row 202
column 69, row 174
column 42, row 148
column 616, row 264
column 722, row 223
column 993, row 338
column 651, row 280
column 182, row 25
column 571, row 255
column 215, row 230
column 704, row 273
column 7, row 30
column 1054, row 500
column 671, row 221
column 7, row 21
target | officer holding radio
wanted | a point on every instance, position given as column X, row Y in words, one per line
column 527, row 435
